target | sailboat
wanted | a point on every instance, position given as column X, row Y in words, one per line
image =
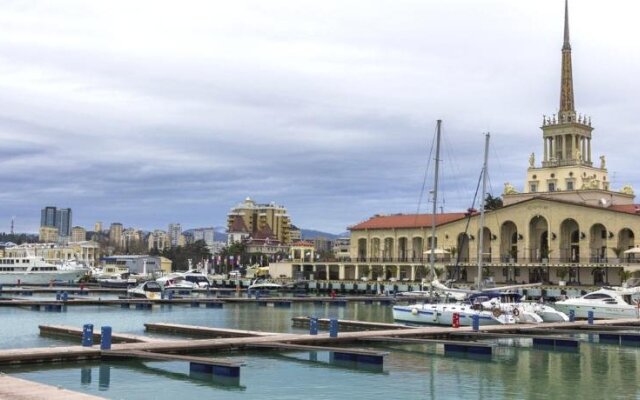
column 442, row 313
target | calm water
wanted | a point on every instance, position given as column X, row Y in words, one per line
column 516, row 370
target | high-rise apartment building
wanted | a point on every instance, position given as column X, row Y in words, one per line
column 175, row 235
column 115, row 234
column 261, row 219
column 206, row 234
column 78, row 234
column 58, row 218
column 97, row 228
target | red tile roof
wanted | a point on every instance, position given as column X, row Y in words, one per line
column 238, row 225
column 406, row 221
column 626, row 208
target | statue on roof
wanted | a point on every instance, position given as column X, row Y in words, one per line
column 602, row 162
column 509, row 189
column 627, row 189
column 532, row 160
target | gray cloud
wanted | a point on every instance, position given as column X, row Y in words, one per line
column 148, row 113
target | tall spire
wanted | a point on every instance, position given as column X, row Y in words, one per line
column 567, row 109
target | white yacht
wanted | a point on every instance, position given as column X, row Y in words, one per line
column 146, row 290
column 524, row 312
column 264, row 284
column 35, row 270
column 442, row 314
column 606, row 302
column 176, row 282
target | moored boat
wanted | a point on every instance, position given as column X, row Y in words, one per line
column 35, row 271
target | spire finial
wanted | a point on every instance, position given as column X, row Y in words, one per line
column 566, row 45
column 567, row 109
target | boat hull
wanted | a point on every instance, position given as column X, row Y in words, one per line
column 599, row 312
column 40, row 278
column 443, row 315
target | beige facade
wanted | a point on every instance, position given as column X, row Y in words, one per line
column 115, row 234
column 78, row 234
column 85, row 252
column 159, row 240
column 567, row 223
column 48, row 234
column 262, row 218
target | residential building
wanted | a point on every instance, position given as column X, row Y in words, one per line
column 295, row 234
column 59, row 218
column 206, row 234
column 159, row 240
column 115, row 234
column 341, row 248
column 78, row 234
column 48, row 234
column 175, row 235
column 261, row 218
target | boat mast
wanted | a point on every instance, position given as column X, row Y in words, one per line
column 482, row 201
column 432, row 256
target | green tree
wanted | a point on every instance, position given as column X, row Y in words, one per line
column 492, row 203
column 180, row 255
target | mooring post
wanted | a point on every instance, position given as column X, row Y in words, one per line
column 58, row 295
column 87, row 335
column 65, row 296
column 475, row 323
column 105, row 341
column 572, row 315
column 313, row 325
column 333, row 327
column 590, row 317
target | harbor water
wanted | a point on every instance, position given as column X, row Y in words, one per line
column 515, row 371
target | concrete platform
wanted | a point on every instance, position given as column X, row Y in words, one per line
column 12, row 388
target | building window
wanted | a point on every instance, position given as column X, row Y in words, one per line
column 552, row 187
column 534, row 188
column 570, row 185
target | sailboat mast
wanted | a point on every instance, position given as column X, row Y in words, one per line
column 432, row 256
column 482, row 198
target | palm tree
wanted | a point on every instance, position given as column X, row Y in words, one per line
column 492, row 203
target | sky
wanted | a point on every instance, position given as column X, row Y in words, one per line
column 153, row 112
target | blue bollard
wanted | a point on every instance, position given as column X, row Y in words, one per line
column 58, row 295
column 65, row 296
column 572, row 315
column 105, row 341
column 475, row 323
column 313, row 326
column 333, row 327
column 87, row 335
column 590, row 317
column 170, row 294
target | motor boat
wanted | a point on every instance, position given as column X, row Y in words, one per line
column 442, row 314
column 606, row 303
column 35, row 270
column 524, row 312
column 199, row 279
column 176, row 283
column 264, row 284
column 146, row 290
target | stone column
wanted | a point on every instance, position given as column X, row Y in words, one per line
column 413, row 273
column 341, row 271
column 546, row 144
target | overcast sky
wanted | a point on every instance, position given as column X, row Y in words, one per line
column 151, row 112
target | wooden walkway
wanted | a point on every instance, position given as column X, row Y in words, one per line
column 250, row 339
column 15, row 388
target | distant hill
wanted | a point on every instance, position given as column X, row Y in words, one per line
column 308, row 234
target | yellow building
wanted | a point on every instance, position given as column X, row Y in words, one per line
column 268, row 220
column 48, row 234
column 567, row 222
column 78, row 234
